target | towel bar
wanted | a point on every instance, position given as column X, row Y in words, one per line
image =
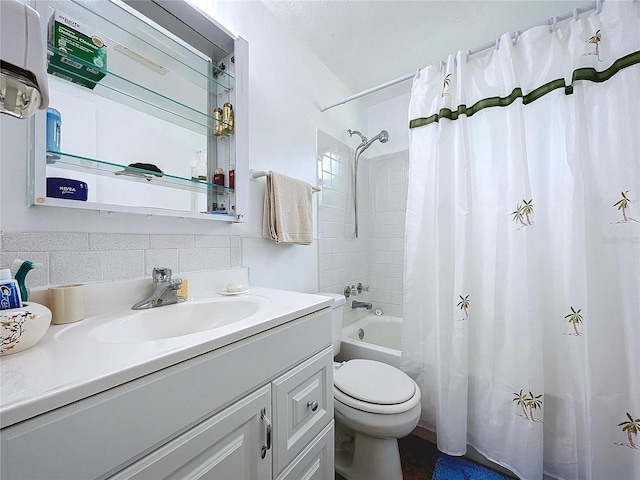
column 261, row 173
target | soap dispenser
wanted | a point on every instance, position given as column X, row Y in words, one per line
column 24, row 87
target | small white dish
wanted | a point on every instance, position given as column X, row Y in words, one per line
column 224, row 291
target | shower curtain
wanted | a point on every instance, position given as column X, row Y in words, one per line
column 522, row 276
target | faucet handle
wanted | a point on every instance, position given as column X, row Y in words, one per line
column 175, row 283
column 161, row 274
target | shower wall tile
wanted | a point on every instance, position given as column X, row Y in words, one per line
column 376, row 258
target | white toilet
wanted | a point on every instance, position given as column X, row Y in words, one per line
column 374, row 405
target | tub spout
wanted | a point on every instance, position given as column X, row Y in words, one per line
column 357, row 304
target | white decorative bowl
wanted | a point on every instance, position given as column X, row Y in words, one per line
column 22, row 328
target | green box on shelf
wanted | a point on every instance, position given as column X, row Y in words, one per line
column 71, row 41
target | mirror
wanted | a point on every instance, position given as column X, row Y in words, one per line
column 143, row 112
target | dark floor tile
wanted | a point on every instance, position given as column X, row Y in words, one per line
column 418, row 458
column 409, row 472
column 418, row 453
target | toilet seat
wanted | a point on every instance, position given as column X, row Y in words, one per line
column 374, row 387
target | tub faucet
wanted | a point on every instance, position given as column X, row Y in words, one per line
column 165, row 290
column 357, row 304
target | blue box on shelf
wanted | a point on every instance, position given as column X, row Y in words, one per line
column 66, row 188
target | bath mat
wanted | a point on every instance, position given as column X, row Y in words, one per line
column 458, row 468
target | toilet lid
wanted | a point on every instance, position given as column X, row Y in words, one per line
column 374, row 382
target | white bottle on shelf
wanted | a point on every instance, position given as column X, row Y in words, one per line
column 199, row 172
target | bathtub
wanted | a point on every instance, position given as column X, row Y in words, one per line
column 381, row 341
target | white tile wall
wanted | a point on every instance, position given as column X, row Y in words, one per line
column 387, row 213
column 376, row 257
column 91, row 257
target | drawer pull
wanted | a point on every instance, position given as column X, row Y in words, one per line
column 267, row 422
column 313, row 404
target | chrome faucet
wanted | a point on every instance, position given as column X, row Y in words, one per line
column 165, row 290
column 357, row 304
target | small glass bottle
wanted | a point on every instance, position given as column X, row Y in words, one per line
column 199, row 174
column 232, row 176
column 218, row 177
column 227, row 118
column 199, row 170
column 218, row 126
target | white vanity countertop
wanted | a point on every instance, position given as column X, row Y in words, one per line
column 71, row 362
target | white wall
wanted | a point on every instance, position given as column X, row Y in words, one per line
column 287, row 84
column 391, row 115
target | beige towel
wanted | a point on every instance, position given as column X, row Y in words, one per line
column 287, row 210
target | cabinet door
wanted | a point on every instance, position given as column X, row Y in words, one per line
column 303, row 406
column 316, row 461
column 227, row 446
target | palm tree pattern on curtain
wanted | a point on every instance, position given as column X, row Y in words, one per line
column 463, row 305
column 445, row 86
column 574, row 318
column 632, row 427
column 529, row 403
column 623, row 206
column 522, row 213
column 595, row 41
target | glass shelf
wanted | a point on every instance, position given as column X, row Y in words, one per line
column 121, row 24
column 99, row 167
column 122, row 90
column 161, row 60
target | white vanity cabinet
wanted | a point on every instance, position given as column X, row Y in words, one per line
column 259, row 408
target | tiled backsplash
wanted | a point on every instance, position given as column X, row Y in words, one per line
column 92, row 257
column 376, row 258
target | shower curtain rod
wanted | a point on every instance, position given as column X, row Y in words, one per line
column 597, row 6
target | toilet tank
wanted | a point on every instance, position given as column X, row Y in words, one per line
column 336, row 319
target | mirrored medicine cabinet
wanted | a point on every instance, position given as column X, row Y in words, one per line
column 149, row 101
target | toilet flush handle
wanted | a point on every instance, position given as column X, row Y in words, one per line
column 313, row 404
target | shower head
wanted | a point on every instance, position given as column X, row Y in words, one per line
column 383, row 136
column 362, row 137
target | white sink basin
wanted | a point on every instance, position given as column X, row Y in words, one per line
column 178, row 320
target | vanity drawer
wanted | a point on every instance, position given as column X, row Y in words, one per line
column 303, row 406
column 316, row 461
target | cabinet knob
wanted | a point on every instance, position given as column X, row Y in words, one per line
column 313, row 404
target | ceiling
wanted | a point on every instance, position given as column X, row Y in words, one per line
column 369, row 42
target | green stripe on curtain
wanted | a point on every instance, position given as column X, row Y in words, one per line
column 587, row 73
